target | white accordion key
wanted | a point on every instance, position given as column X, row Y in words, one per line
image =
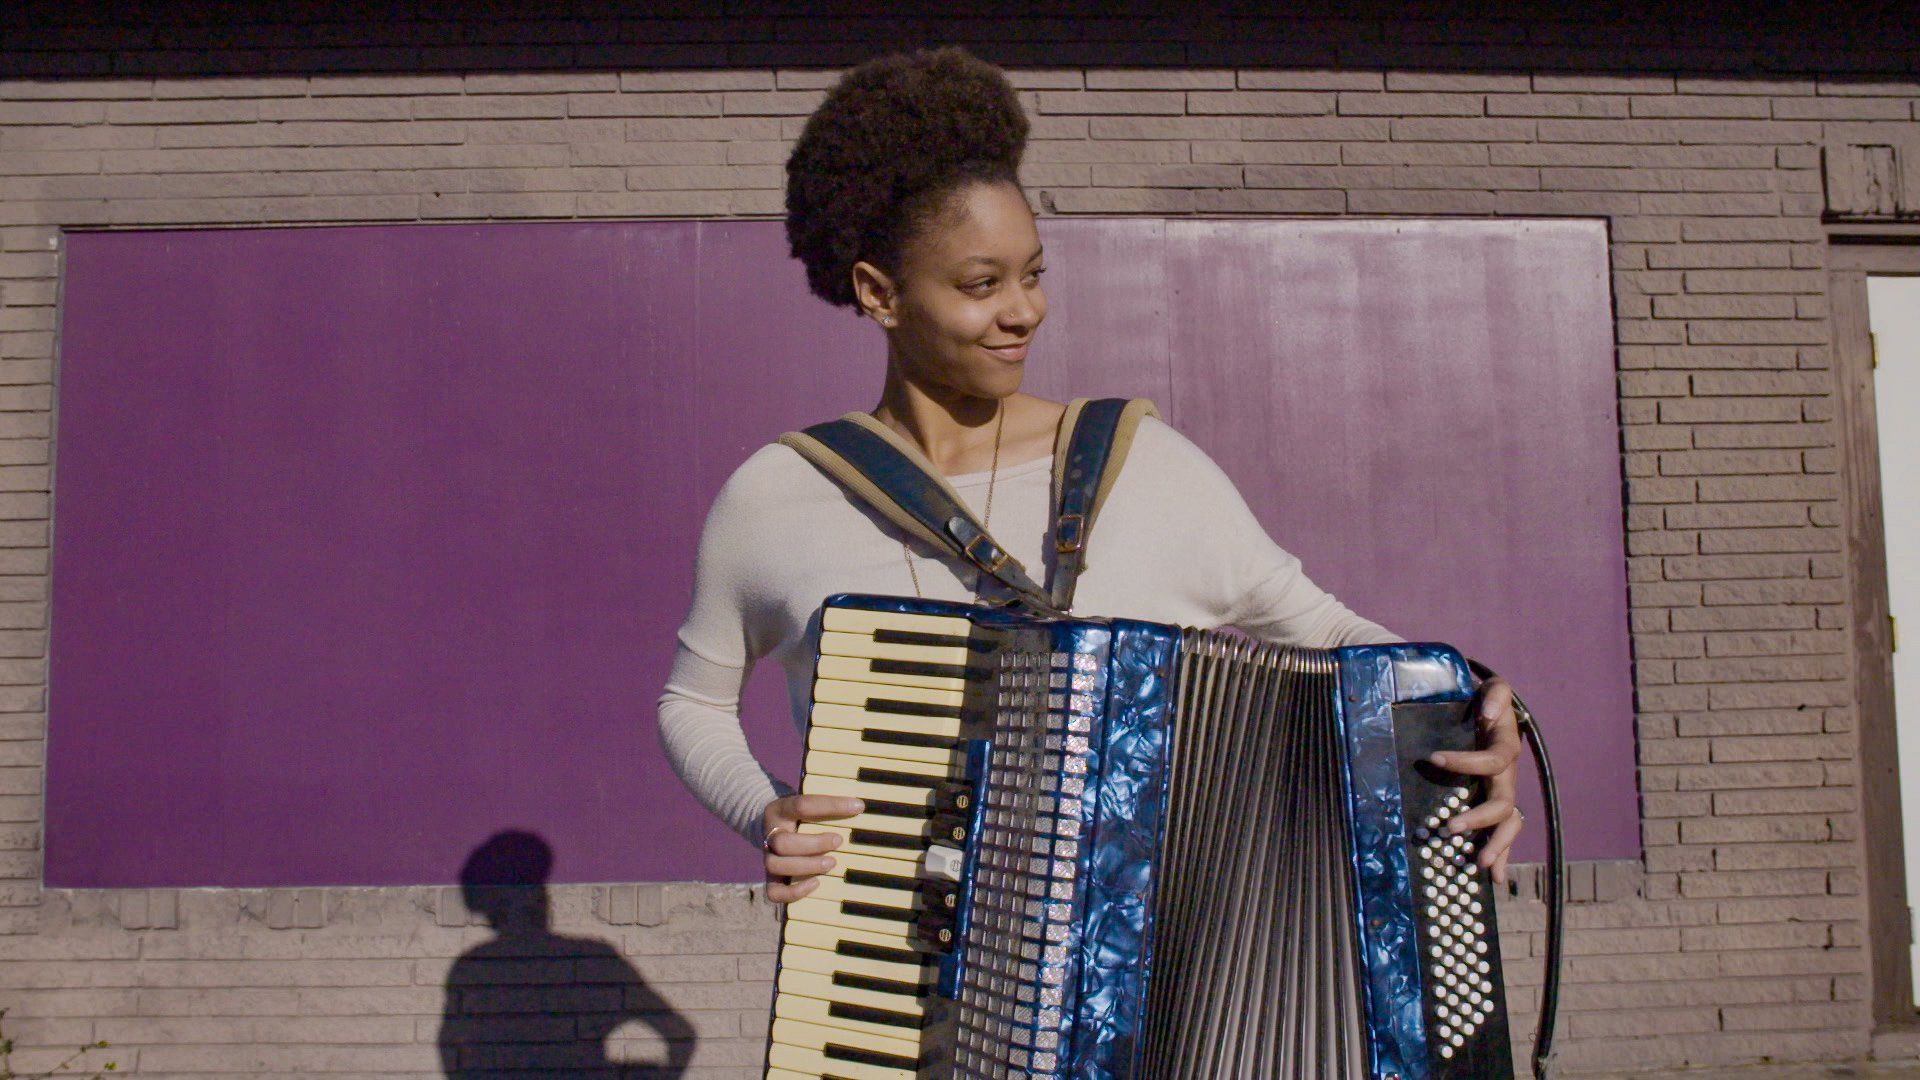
column 831, row 962
column 802, row 1047
column 854, row 743
column 899, row 899
column 882, row 683
column 822, row 987
column 863, row 645
column 907, row 855
column 813, row 1048
column 815, row 909
column 886, row 823
column 866, row 622
column 860, row 718
column 830, row 763
column 844, row 692
column 901, row 865
column 794, row 1005
column 895, row 941
column 821, row 784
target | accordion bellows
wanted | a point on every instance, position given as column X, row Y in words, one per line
column 1115, row 849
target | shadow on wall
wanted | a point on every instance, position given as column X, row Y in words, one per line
column 533, row 1000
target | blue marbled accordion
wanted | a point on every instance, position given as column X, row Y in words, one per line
column 1103, row 848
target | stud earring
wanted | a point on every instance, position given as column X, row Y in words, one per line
column 886, row 321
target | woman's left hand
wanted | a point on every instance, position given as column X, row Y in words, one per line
column 1497, row 759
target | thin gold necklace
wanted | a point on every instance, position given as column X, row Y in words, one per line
column 986, row 519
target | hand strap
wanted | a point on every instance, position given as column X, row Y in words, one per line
column 1553, row 887
column 890, row 474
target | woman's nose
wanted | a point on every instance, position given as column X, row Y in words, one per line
column 1022, row 310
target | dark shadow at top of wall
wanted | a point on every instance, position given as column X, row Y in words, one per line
column 206, row 38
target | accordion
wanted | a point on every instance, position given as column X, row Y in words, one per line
column 1102, row 849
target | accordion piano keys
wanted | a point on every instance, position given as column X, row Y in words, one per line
column 889, row 705
column 831, row 950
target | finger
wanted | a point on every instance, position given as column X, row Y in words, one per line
column 1488, row 762
column 1485, row 815
column 1502, row 749
column 1500, row 841
column 793, row 842
column 797, row 866
column 825, row 807
column 1499, row 796
column 1500, row 869
column 785, row 892
column 1496, row 701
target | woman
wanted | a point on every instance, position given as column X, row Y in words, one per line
column 903, row 204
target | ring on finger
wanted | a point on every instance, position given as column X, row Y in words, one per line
column 766, row 842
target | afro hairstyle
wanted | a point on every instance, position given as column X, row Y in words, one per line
column 881, row 156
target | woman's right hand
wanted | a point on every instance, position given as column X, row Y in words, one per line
column 795, row 860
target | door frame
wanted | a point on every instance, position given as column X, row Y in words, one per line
column 1851, row 258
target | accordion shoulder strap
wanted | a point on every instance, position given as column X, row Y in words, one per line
column 1095, row 437
column 890, row 474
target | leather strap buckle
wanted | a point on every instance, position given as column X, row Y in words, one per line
column 992, row 557
column 1070, row 533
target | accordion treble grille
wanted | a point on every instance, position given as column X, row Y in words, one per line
column 1254, row 953
column 1012, row 997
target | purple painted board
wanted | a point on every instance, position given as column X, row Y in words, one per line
column 1424, row 413
column 372, row 541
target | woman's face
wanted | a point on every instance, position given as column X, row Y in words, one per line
column 968, row 296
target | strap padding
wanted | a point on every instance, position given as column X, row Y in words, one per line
column 1095, row 437
column 890, row 474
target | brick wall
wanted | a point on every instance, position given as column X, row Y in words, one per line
column 1741, row 935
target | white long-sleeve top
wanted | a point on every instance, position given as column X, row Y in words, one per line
column 1175, row 543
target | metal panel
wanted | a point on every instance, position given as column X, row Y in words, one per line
column 1424, row 412
column 372, row 541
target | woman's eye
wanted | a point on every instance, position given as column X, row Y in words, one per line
column 1034, row 275
column 980, row 286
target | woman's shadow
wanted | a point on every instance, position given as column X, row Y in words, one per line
column 533, row 1000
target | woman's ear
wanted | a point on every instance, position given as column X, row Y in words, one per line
column 874, row 291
